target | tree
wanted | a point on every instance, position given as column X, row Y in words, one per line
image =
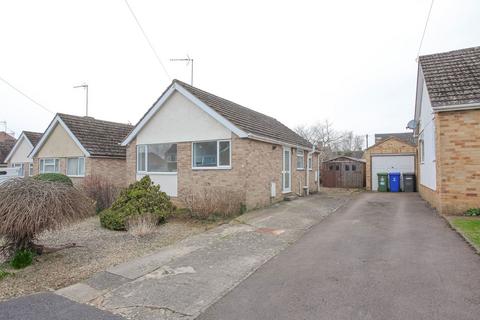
column 330, row 141
column 29, row 207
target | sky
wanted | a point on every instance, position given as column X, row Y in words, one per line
column 350, row 62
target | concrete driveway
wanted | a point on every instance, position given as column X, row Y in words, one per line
column 384, row 256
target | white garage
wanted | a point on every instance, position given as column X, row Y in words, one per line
column 391, row 163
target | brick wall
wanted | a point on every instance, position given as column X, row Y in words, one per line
column 389, row 146
column 112, row 169
column 255, row 165
column 131, row 162
column 458, row 160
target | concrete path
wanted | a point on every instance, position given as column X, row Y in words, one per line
column 182, row 280
column 384, row 256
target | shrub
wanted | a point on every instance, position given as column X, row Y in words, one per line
column 113, row 220
column 22, row 258
column 101, row 190
column 3, row 274
column 141, row 225
column 31, row 206
column 213, row 202
column 54, row 177
column 141, row 197
column 473, row 212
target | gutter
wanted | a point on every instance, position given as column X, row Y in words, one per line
column 278, row 142
column 457, row 107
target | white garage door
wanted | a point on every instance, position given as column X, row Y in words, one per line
column 391, row 163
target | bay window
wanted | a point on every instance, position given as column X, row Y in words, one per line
column 76, row 167
column 157, row 158
column 49, row 165
column 300, row 159
column 211, row 154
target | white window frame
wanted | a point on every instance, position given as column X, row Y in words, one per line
column 78, row 167
column 22, row 168
column 30, row 169
column 145, row 146
column 42, row 169
column 301, row 153
column 310, row 162
column 218, row 167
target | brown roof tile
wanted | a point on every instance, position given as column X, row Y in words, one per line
column 247, row 119
column 100, row 138
column 34, row 137
column 453, row 77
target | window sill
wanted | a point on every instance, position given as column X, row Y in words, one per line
column 300, row 169
column 211, row 168
column 71, row 176
column 156, row 173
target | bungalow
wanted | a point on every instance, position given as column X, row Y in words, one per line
column 19, row 155
column 6, row 144
column 82, row 146
column 447, row 124
column 191, row 140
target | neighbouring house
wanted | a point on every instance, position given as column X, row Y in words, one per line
column 191, row 140
column 447, row 118
column 406, row 136
column 390, row 154
column 82, row 146
column 19, row 155
column 343, row 172
column 6, row 144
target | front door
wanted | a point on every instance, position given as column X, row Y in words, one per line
column 286, row 171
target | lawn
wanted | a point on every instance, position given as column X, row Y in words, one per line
column 469, row 227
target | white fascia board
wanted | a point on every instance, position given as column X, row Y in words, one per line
column 177, row 87
column 17, row 143
column 458, row 107
column 148, row 116
column 47, row 133
column 274, row 141
column 211, row 112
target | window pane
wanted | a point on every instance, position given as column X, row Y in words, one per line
column 72, row 167
column 81, row 166
column 224, row 153
column 354, row 167
column 287, row 180
column 41, row 165
column 347, row 167
column 205, row 154
column 300, row 159
column 162, row 157
column 30, row 172
column 287, row 160
column 50, row 166
column 141, row 158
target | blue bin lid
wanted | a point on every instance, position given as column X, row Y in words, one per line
column 394, row 173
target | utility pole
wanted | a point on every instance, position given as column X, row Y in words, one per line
column 366, row 139
column 85, row 86
column 188, row 60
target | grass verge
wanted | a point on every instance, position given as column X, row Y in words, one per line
column 469, row 228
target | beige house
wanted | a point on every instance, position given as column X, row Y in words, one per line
column 447, row 124
column 82, row 146
column 19, row 155
column 191, row 139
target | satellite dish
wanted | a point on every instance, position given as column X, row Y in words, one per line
column 412, row 124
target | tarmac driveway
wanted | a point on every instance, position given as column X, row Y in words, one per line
column 384, row 256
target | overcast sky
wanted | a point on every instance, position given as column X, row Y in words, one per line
column 351, row 62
